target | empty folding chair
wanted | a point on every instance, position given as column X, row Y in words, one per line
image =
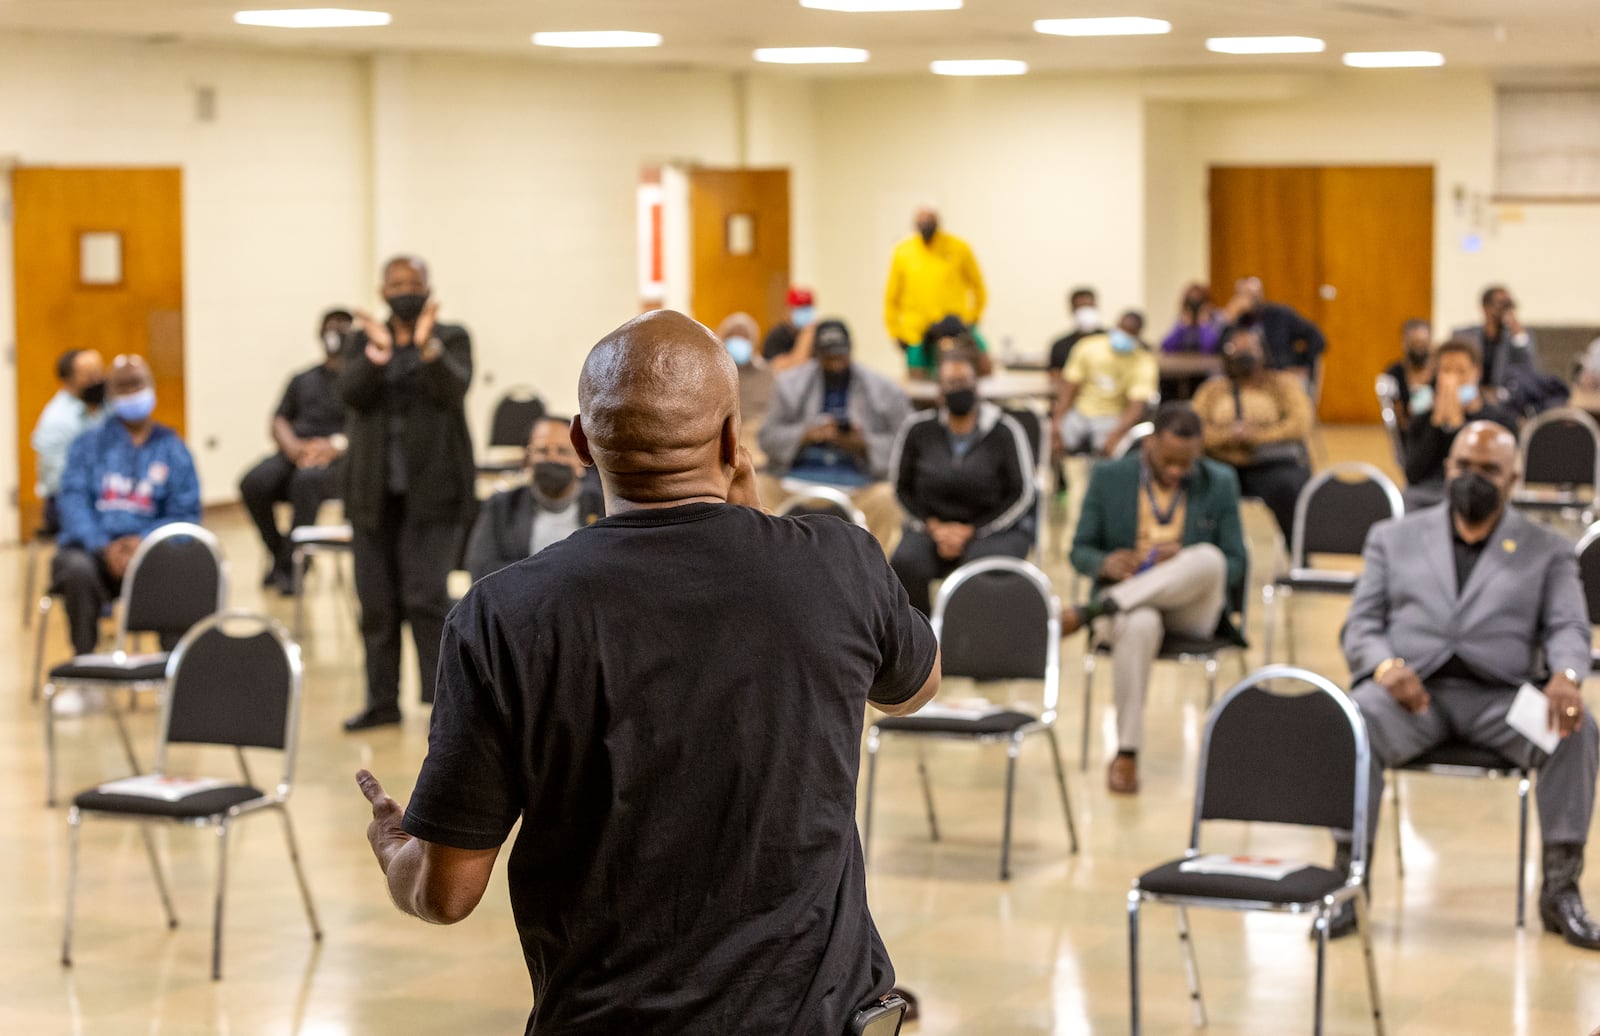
column 512, row 423
column 1388, row 391
column 1560, row 452
column 996, row 619
column 308, row 541
column 808, row 498
column 235, row 682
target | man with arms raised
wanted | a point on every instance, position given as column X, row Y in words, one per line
column 671, row 699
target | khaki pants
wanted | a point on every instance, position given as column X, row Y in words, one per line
column 1184, row 595
column 876, row 501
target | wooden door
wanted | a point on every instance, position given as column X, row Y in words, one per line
column 98, row 255
column 739, row 244
column 1350, row 247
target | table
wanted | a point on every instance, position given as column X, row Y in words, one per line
column 1004, row 386
column 1188, row 365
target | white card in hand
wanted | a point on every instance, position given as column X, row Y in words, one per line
column 1530, row 717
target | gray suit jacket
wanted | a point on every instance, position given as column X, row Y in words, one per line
column 877, row 406
column 1520, row 615
column 1503, row 360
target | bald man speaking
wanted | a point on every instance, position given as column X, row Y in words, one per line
column 671, row 700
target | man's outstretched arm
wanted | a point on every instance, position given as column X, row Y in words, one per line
column 437, row 883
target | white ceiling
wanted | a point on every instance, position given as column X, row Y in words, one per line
column 1502, row 34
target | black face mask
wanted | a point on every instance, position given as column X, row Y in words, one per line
column 1473, row 498
column 94, row 394
column 1417, row 357
column 552, row 477
column 961, row 401
column 406, row 308
column 927, row 230
column 1242, row 365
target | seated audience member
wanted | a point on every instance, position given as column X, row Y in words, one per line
column 1458, row 606
column 782, row 339
column 74, row 409
column 1257, row 421
column 1457, row 398
column 1105, row 389
column 964, row 478
column 308, row 429
column 834, row 422
column 123, row 480
column 1081, row 305
column 1507, row 351
column 739, row 333
column 1413, row 372
column 1160, row 536
column 950, row 337
column 1199, row 326
column 1289, row 341
column 521, row 522
column 1588, row 373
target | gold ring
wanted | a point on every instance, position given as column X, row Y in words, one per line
column 1572, row 710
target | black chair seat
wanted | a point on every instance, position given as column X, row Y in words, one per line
column 1461, row 754
column 146, row 670
column 201, row 804
column 1176, row 644
column 1306, row 885
column 1318, row 582
column 998, row 723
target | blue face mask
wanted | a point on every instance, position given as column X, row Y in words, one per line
column 802, row 315
column 1422, row 399
column 135, row 408
column 1467, row 393
column 740, row 348
column 1122, row 341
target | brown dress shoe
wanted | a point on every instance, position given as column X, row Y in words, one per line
column 1122, row 776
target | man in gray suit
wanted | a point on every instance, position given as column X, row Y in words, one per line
column 1456, row 607
column 1509, row 351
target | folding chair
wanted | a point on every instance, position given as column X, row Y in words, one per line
column 1032, row 425
column 1274, row 758
column 176, row 578
column 1334, row 512
column 1388, row 392
column 1589, row 573
column 815, row 499
column 308, row 541
column 235, row 681
column 996, row 619
column 1560, row 448
column 510, row 425
column 1133, row 437
column 41, row 538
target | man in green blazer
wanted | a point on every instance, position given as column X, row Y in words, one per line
column 1160, row 535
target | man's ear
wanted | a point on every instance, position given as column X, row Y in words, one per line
column 729, row 444
column 580, row 442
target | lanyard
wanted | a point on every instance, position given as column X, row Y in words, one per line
column 1161, row 517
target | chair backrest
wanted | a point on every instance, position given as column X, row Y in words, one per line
column 1589, row 570
column 823, row 500
column 176, row 578
column 234, row 679
column 1338, row 507
column 1388, row 391
column 514, row 416
column 1133, row 437
column 1278, row 758
column 1000, row 619
column 1032, row 429
column 1561, row 447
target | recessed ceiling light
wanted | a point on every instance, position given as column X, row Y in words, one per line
column 1265, row 45
column 811, row 55
column 1394, row 59
column 980, row 67
column 597, row 39
column 1102, row 26
column 313, row 18
column 869, row 6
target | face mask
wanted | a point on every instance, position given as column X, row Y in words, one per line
column 331, row 341
column 927, row 230
column 1467, row 394
column 1473, row 498
column 1242, row 365
column 1087, row 318
column 961, row 401
column 552, row 477
column 1422, row 399
column 406, row 308
column 740, row 348
column 1123, row 342
column 800, row 316
column 136, row 407
column 93, row 393
column 1417, row 357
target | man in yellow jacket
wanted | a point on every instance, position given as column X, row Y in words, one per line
column 931, row 276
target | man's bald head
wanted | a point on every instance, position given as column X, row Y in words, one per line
column 658, row 405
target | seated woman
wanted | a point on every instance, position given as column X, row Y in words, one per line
column 1413, row 373
column 1457, row 398
column 1258, row 421
column 1198, row 329
column 963, row 475
column 948, row 336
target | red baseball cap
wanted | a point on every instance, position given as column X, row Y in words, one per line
column 800, row 296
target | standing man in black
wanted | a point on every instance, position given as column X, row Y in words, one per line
column 308, row 429
column 409, row 483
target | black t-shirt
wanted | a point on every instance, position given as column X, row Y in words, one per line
column 672, row 701
column 1061, row 348
column 311, row 403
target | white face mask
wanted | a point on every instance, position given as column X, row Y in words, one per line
column 1087, row 318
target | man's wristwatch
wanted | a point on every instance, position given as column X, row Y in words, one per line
column 339, row 442
column 1572, row 675
column 1383, row 668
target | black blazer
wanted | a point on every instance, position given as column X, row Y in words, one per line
column 438, row 449
column 501, row 535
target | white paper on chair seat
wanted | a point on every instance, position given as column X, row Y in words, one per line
column 164, row 786
column 1267, row 868
column 964, row 711
column 320, row 534
column 1529, row 716
column 111, row 658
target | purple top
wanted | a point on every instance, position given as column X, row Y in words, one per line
column 1194, row 338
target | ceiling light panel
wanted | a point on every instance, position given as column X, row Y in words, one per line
column 313, row 18
column 1130, row 26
